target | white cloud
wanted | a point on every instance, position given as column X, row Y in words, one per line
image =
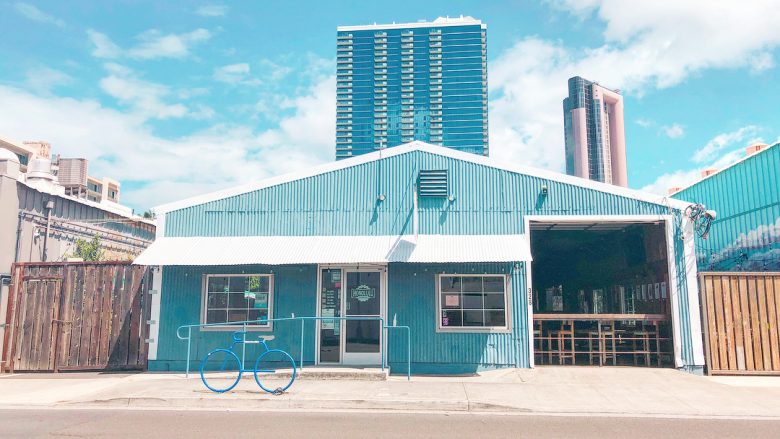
column 43, row 79
column 644, row 123
column 722, row 141
column 235, row 74
column 104, row 47
column 212, row 10
column 155, row 44
column 648, row 45
column 674, row 131
column 146, row 99
column 121, row 144
column 686, row 177
column 35, row 14
column 274, row 71
column 152, row 44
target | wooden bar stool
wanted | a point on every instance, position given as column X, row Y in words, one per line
column 538, row 341
column 603, row 335
column 644, row 337
column 559, row 337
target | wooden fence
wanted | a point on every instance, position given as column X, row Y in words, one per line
column 77, row 316
column 741, row 313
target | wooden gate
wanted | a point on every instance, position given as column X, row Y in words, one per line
column 741, row 312
column 77, row 316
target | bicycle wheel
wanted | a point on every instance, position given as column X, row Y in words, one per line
column 223, row 368
column 274, row 371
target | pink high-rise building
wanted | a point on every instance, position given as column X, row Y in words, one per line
column 594, row 132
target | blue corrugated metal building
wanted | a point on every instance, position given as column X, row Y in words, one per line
column 421, row 235
column 745, row 235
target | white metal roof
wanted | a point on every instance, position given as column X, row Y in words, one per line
column 432, row 149
column 280, row 250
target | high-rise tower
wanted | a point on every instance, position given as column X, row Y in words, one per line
column 594, row 132
column 416, row 81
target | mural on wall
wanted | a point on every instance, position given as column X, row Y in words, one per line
column 757, row 250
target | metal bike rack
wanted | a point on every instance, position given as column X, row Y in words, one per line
column 303, row 320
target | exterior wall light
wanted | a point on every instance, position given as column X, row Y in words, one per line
column 381, row 197
column 544, row 189
column 451, row 198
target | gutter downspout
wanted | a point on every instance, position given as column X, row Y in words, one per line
column 18, row 237
column 415, row 216
column 49, row 207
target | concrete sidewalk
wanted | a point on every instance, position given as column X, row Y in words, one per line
column 545, row 390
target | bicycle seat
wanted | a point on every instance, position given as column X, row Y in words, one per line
column 266, row 337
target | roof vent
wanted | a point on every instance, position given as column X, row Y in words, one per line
column 433, row 183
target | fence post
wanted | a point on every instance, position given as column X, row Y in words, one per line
column 189, row 342
column 302, row 329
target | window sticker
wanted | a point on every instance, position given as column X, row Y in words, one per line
column 451, row 300
column 261, row 301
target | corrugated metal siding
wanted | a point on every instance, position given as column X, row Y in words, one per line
column 412, row 298
column 344, row 202
column 295, row 291
column 746, row 197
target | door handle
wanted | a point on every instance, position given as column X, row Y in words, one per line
column 61, row 321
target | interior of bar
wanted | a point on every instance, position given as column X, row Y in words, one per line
column 601, row 294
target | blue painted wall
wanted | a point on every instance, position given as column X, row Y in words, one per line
column 295, row 291
column 412, row 298
column 745, row 236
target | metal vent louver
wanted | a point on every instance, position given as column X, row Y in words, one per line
column 433, row 183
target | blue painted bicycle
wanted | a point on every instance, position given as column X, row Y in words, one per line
column 274, row 369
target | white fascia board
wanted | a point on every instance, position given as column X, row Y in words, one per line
column 432, row 149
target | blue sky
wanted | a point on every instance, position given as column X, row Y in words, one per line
column 178, row 98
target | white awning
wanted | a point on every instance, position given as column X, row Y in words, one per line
column 279, row 250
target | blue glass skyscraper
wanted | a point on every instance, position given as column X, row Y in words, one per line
column 416, row 81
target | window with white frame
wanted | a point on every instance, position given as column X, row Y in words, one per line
column 469, row 302
column 236, row 298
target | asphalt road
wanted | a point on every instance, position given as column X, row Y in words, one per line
column 117, row 423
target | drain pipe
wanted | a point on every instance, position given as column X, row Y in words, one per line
column 416, row 215
column 49, row 207
column 18, row 237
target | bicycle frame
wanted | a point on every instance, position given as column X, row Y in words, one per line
column 244, row 341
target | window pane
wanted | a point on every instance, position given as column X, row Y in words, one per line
column 450, row 301
column 218, row 316
column 472, row 300
column 255, row 314
column 236, row 315
column 494, row 301
column 450, row 284
column 218, row 284
column 217, row 300
column 473, row 318
column 473, row 284
column 493, row 284
column 239, row 284
column 237, row 300
column 495, row 318
column 451, row 318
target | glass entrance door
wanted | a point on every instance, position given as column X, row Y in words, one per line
column 351, row 293
column 362, row 296
column 330, row 306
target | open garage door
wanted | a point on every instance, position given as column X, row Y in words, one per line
column 600, row 293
